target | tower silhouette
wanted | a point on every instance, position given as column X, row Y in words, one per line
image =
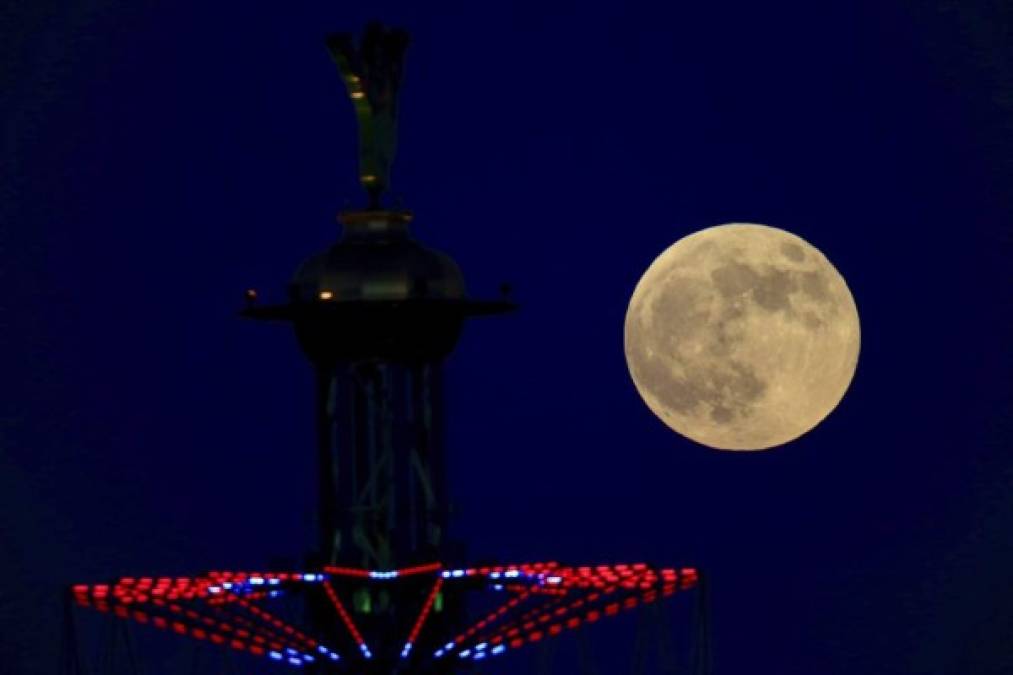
column 383, row 590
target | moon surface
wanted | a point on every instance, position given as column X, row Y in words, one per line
column 741, row 337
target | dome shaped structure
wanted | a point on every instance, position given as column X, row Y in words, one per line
column 377, row 260
column 377, row 294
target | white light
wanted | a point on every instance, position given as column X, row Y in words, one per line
column 495, row 575
column 275, row 655
column 256, row 581
column 479, row 647
column 555, row 580
column 274, row 582
column 499, row 649
column 457, row 573
column 214, row 589
column 227, row 585
column 446, row 574
column 438, row 654
column 465, row 654
column 510, row 574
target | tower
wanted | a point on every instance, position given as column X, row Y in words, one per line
column 375, row 313
column 383, row 591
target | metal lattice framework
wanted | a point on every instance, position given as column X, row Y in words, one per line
column 536, row 602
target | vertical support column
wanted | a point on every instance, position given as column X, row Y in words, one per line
column 381, row 485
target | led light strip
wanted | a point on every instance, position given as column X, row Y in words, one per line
column 347, row 620
column 423, row 615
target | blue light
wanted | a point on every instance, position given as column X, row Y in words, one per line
column 227, row 585
column 465, row 654
column 482, row 645
column 457, row 574
column 407, row 650
column 307, row 657
column 445, row 574
column 291, row 651
column 499, row 649
column 295, row 662
column 480, row 655
column 274, row 582
column 495, row 575
column 322, row 649
column 377, row 574
column 365, row 651
column 449, row 646
column 274, row 594
column 275, row 655
column 334, row 657
column 497, row 587
column 439, row 654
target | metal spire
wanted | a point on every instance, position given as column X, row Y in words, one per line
column 372, row 73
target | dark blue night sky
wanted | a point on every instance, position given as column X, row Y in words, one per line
column 159, row 158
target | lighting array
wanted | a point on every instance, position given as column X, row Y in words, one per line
column 227, row 608
column 550, row 600
column 219, row 607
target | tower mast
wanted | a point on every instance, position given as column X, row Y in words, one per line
column 376, row 313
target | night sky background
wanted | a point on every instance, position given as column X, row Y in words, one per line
column 159, row 158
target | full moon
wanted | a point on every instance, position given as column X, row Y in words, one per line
column 741, row 337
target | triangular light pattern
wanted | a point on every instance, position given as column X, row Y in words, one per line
column 233, row 609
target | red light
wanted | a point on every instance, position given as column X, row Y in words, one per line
column 421, row 569
column 347, row 572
